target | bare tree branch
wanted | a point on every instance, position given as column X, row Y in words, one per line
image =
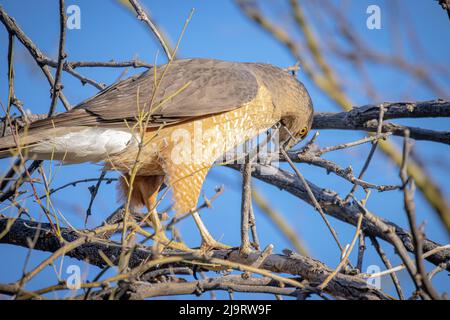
column 365, row 118
column 335, row 206
column 93, row 251
column 142, row 15
column 12, row 28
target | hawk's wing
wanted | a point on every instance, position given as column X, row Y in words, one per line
column 186, row 89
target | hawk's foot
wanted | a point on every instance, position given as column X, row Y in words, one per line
column 209, row 243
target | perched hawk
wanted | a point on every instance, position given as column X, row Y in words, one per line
column 169, row 124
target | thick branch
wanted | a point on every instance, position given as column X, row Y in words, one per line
column 142, row 290
column 334, row 206
column 342, row 286
column 365, row 118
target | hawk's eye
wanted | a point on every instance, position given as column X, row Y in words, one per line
column 303, row 132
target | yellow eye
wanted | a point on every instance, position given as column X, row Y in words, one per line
column 303, row 132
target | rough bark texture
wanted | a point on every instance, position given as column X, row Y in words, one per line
column 313, row 271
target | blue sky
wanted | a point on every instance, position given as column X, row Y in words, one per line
column 219, row 30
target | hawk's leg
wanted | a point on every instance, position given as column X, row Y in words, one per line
column 148, row 188
column 208, row 242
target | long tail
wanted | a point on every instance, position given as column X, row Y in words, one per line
column 11, row 144
column 35, row 132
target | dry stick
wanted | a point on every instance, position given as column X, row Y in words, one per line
column 296, row 265
column 38, row 56
column 21, row 233
column 135, row 63
column 94, row 192
column 388, row 265
column 348, row 214
column 252, row 156
column 352, row 144
column 397, row 130
column 142, row 15
column 83, row 79
column 243, row 267
column 10, row 59
column 345, row 257
column 361, row 249
column 42, row 60
column 13, row 29
column 13, row 190
column 260, row 260
column 312, row 197
column 393, row 110
column 68, row 67
column 57, row 86
column 364, row 118
column 212, row 293
column 246, row 202
column 408, row 196
column 371, row 153
column 27, row 173
column 31, row 245
column 10, row 289
column 247, row 213
column 174, row 259
column 389, row 232
column 67, row 247
column 211, row 285
column 61, row 251
column 129, row 275
column 435, row 271
column 10, row 174
column 402, row 266
column 229, row 283
column 74, row 183
column 252, row 223
column 345, row 173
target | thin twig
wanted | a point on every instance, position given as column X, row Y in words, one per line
column 38, row 56
column 388, row 265
column 408, row 196
column 345, row 257
column 57, row 86
column 361, row 250
column 143, row 16
column 313, row 198
column 371, row 153
column 94, row 192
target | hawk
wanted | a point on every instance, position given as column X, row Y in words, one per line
column 168, row 125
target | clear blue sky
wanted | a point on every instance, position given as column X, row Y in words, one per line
column 219, row 30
